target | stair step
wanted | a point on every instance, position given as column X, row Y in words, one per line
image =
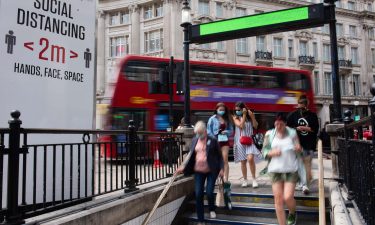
column 239, row 220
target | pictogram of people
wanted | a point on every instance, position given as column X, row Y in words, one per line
column 10, row 40
column 87, row 57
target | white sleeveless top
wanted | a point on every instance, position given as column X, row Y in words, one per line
column 287, row 161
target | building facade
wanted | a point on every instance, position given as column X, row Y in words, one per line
column 152, row 28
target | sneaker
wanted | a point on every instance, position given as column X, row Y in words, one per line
column 305, row 190
column 292, row 219
column 255, row 184
column 244, row 183
column 298, row 188
column 212, row 215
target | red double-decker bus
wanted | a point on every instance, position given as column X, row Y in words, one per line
column 265, row 90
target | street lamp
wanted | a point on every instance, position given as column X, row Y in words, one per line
column 186, row 23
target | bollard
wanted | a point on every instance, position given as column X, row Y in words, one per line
column 348, row 134
column 132, row 182
column 13, row 216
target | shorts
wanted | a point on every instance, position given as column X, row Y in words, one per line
column 284, row 177
column 224, row 143
column 307, row 153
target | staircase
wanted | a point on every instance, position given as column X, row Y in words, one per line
column 256, row 207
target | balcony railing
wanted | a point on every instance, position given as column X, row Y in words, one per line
column 263, row 56
column 306, row 60
column 345, row 63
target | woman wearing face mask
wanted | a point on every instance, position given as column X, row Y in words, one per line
column 206, row 163
column 220, row 126
column 245, row 121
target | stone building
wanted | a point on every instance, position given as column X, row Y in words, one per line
column 152, row 28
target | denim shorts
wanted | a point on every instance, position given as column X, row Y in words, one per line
column 307, row 153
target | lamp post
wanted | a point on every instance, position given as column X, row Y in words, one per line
column 186, row 23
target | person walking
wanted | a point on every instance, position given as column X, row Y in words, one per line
column 281, row 147
column 220, row 126
column 206, row 163
column 307, row 125
column 245, row 122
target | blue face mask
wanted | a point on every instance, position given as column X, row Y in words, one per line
column 238, row 112
column 220, row 113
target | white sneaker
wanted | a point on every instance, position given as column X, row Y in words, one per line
column 305, row 190
column 255, row 184
column 212, row 215
column 244, row 183
column 298, row 188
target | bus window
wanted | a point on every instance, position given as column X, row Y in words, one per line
column 297, row 82
column 120, row 119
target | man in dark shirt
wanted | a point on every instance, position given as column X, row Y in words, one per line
column 307, row 125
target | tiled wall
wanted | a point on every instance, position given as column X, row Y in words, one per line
column 163, row 215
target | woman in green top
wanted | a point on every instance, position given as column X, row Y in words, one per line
column 281, row 148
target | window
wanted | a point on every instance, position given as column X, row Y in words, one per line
column 119, row 46
column 303, row 51
column 369, row 7
column 356, row 85
column 220, row 46
column 219, row 9
column 125, row 18
column 325, row 29
column 315, row 50
column 351, row 5
column 148, row 12
column 338, row 4
column 341, row 52
column 373, row 78
column 203, row 7
column 153, row 41
column 240, row 12
column 113, row 19
column 158, row 9
column 327, row 83
column 352, row 31
column 343, row 89
column 316, row 82
column 326, row 52
column 290, row 48
column 355, row 59
column 277, row 47
column 339, row 29
column 205, row 46
column 241, row 45
column 371, row 33
column 261, row 43
column 373, row 56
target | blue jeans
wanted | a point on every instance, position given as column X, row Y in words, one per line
column 200, row 179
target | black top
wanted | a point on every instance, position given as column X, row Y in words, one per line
column 310, row 119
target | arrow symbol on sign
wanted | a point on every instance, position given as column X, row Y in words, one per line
column 29, row 45
column 74, row 54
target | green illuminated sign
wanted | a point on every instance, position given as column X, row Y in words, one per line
column 255, row 21
column 260, row 24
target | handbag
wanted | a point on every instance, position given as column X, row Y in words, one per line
column 222, row 138
column 245, row 140
column 219, row 202
column 258, row 139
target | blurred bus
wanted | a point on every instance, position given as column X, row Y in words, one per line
column 265, row 90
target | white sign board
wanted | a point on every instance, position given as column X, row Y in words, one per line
column 47, row 51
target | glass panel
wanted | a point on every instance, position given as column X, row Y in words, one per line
column 219, row 9
column 203, row 7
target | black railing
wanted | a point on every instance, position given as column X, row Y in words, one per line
column 263, row 55
column 46, row 177
column 356, row 163
column 345, row 63
column 304, row 59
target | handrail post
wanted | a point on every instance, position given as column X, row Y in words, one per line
column 371, row 104
column 13, row 216
column 132, row 182
column 348, row 134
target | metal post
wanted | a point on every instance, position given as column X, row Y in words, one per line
column 348, row 135
column 12, row 214
column 132, row 182
column 337, row 118
column 371, row 104
column 171, row 69
column 186, row 25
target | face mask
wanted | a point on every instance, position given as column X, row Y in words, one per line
column 200, row 136
column 238, row 112
column 220, row 113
